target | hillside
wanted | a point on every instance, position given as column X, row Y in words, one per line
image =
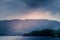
column 16, row 26
column 44, row 33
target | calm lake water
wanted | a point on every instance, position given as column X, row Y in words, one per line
column 26, row 38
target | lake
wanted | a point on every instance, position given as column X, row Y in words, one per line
column 26, row 38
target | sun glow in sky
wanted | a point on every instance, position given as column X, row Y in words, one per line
column 36, row 15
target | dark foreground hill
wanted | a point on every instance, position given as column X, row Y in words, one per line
column 44, row 33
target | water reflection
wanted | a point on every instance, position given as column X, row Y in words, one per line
column 26, row 38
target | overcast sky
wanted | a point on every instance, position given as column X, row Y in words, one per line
column 30, row 9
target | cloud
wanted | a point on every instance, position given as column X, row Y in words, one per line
column 37, row 3
column 14, row 5
column 12, row 8
column 51, row 5
column 25, row 5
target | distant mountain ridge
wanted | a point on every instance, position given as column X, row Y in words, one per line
column 17, row 26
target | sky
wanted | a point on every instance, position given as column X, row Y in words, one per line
column 30, row 9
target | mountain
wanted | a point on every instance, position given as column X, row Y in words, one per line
column 16, row 26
